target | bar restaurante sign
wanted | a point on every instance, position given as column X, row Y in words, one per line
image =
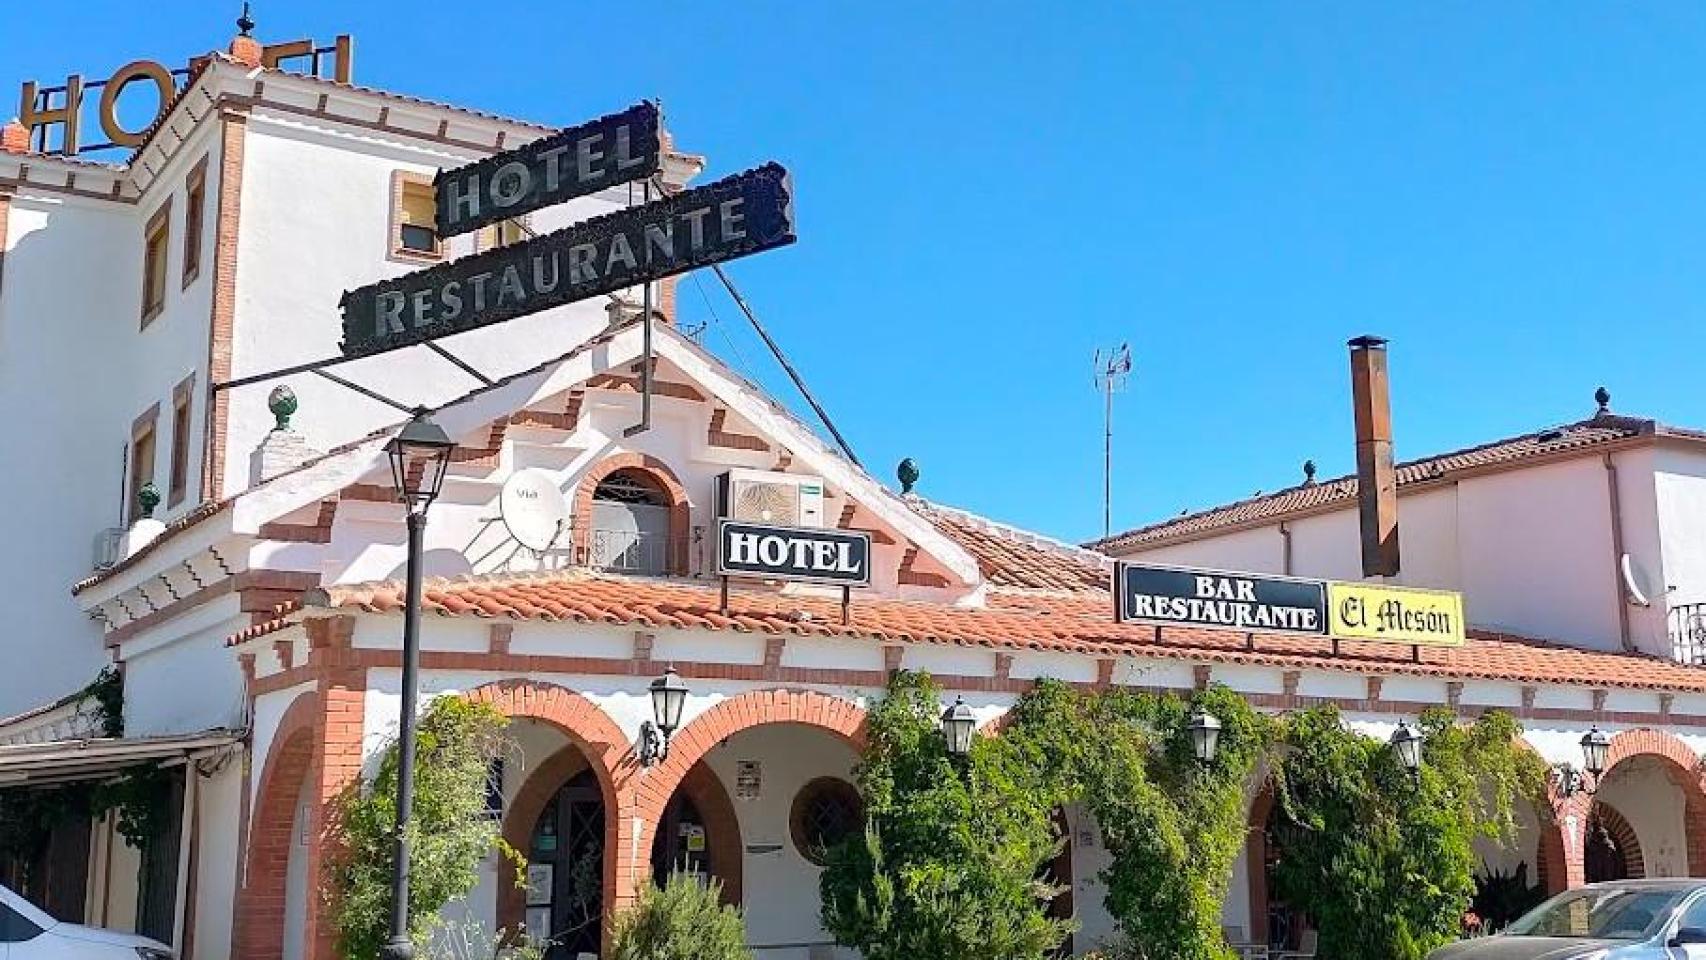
column 1212, row 598
column 1250, row 602
column 740, row 215
column 573, row 163
column 793, row 553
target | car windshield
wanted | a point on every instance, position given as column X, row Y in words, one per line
column 1612, row 913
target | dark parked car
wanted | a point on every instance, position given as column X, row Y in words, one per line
column 1621, row 920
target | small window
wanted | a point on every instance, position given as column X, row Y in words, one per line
column 413, row 218
column 180, row 478
column 630, row 524
column 826, row 811
column 141, row 459
column 155, row 240
column 195, row 211
column 504, row 233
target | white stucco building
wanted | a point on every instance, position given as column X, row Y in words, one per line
column 257, row 626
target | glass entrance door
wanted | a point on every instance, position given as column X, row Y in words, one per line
column 565, row 872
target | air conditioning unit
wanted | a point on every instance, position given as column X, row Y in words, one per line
column 765, row 496
column 109, row 547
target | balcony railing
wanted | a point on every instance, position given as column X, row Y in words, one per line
column 629, row 551
column 1688, row 633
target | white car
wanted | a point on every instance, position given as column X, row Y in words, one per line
column 27, row 933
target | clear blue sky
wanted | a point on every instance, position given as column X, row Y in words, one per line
column 1514, row 193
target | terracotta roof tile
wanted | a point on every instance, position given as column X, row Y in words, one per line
column 1080, row 624
column 1566, row 440
column 1010, row 557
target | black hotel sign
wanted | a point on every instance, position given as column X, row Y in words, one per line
column 740, row 215
column 793, row 553
column 1212, row 598
column 573, row 163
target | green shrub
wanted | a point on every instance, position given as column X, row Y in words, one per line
column 450, row 834
column 685, row 920
column 949, row 863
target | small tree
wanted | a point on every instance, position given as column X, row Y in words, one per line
column 685, row 920
column 1384, row 861
column 949, row 863
column 450, row 835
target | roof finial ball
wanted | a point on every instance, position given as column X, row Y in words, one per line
column 1309, row 473
column 245, row 23
column 282, row 402
column 907, row 474
column 1602, row 397
column 147, row 498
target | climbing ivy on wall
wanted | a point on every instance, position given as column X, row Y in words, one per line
column 449, row 834
column 1384, row 861
column 950, row 861
column 138, row 796
column 1173, row 825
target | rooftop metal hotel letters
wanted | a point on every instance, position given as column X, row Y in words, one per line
column 739, row 215
column 578, row 161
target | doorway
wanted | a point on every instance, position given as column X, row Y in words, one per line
column 565, row 871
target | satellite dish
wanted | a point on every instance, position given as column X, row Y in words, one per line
column 534, row 510
column 1636, row 582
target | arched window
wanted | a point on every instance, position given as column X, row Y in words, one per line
column 630, row 524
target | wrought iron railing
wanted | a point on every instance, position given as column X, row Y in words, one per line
column 1688, row 632
column 629, row 551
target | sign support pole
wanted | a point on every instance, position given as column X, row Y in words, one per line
column 723, row 607
column 846, row 604
column 646, row 361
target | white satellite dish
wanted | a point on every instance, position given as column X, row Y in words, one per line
column 534, row 511
column 1636, row 582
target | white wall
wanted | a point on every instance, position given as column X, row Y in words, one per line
column 1680, row 481
column 316, row 222
column 780, row 889
column 216, row 861
column 77, row 369
column 1647, row 799
column 1529, row 549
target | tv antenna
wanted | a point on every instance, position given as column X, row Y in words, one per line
column 1113, row 367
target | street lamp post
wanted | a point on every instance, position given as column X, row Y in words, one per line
column 419, row 453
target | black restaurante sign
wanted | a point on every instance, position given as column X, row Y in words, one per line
column 573, row 163
column 1213, row 598
column 740, row 215
column 793, row 553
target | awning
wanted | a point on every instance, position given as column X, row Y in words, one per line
column 62, row 761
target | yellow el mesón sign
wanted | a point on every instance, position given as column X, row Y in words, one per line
column 1364, row 611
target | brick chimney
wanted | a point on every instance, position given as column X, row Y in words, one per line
column 14, row 137
column 1377, row 479
column 245, row 49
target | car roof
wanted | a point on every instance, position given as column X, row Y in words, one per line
column 1662, row 883
column 26, row 909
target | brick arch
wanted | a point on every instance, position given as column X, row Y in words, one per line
column 724, row 853
column 841, row 718
column 680, row 508
column 1623, row 834
column 259, row 933
column 1555, row 870
column 1681, row 767
column 606, row 750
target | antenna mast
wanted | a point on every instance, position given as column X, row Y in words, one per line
column 1112, row 369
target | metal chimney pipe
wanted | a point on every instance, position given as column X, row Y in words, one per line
column 1377, row 478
